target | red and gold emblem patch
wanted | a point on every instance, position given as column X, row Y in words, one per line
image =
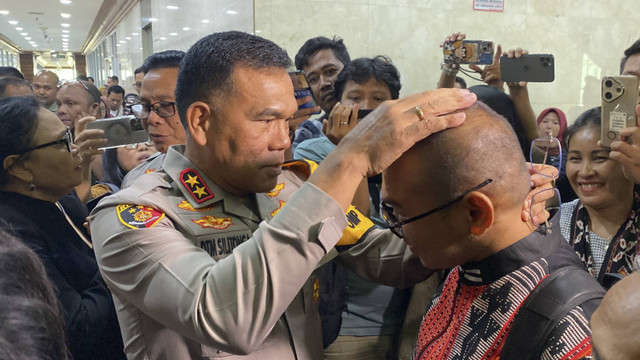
column 276, row 191
column 186, row 205
column 213, row 222
column 274, row 212
column 196, row 186
column 138, row 216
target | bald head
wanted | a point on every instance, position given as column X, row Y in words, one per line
column 45, row 87
column 615, row 325
column 483, row 147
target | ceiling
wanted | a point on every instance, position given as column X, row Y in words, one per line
column 42, row 22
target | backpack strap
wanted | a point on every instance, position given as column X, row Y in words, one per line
column 544, row 308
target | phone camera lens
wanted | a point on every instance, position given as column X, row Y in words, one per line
column 608, row 83
column 618, row 90
column 608, row 95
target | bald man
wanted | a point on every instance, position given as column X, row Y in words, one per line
column 616, row 323
column 45, row 87
column 456, row 199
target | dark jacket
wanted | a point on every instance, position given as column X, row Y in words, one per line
column 91, row 323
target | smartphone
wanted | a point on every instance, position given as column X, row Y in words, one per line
column 619, row 100
column 530, row 68
column 363, row 112
column 121, row 130
column 301, row 89
column 468, row 52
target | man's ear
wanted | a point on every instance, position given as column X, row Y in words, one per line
column 480, row 212
column 198, row 121
column 16, row 168
column 94, row 110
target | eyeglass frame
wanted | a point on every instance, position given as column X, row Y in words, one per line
column 67, row 139
column 151, row 107
column 546, row 153
column 135, row 146
column 395, row 225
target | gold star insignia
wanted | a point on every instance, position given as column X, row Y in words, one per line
column 193, row 180
column 200, row 191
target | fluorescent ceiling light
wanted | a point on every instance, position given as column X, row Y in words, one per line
column 65, row 35
column 24, row 34
column 172, row 7
column 163, row 38
column 27, row 38
column 134, row 34
column 64, row 31
column 4, row 12
column 231, row 12
column 65, row 25
column 66, row 16
column 186, row 28
column 19, row 28
column 65, row 2
column 13, row 22
column 153, row 19
column 128, row 38
column 118, row 44
column 173, row 34
column 205, row 21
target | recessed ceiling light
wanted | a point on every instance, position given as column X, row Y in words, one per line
column 65, row 25
column 34, row 45
column 4, row 12
column 134, row 34
column 19, row 28
column 66, row 16
column 153, row 19
column 122, row 41
column 65, row 31
column 186, row 28
column 172, row 7
column 128, row 38
column 173, row 34
column 231, row 12
column 27, row 38
column 163, row 38
column 205, row 21
column 118, row 44
column 13, row 22
column 65, row 2
column 24, row 34
column 65, row 35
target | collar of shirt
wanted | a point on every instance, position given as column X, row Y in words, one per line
column 198, row 185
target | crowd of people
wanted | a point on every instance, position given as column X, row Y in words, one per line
column 450, row 224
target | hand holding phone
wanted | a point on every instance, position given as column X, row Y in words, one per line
column 468, row 52
column 302, row 89
column 120, row 131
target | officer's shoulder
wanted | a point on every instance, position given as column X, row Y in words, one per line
column 301, row 169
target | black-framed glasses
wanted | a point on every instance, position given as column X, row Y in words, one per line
column 164, row 109
column 395, row 224
column 67, row 139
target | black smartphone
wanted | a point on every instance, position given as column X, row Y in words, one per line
column 302, row 89
column 530, row 68
column 363, row 112
column 120, row 131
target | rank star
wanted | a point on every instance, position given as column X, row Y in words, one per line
column 193, row 180
column 200, row 191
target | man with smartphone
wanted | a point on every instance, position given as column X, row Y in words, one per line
column 321, row 59
column 203, row 256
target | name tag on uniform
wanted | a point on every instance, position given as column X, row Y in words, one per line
column 221, row 244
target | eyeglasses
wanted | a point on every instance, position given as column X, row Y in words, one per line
column 67, row 139
column 135, row 146
column 164, row 109
column 395, row 224
column 546, row 151
column 76, row 82
column 137, row 85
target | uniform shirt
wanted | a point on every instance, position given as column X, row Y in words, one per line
column 470, row 316
column 151, row 164
column 195, row 273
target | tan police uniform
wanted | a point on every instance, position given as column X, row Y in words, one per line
column 153, row 163
column 195, row 273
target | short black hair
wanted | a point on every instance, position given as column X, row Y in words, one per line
column 115, row 78
column 591, row 117
column 12, row 81
column 18, row 123
column 82, row 77
column 632, row 50
column 6, row 71
column 208, row 66
column 138, row 70
column 162, row 60
column 89, row 78
column 316, row 44
column 461, row 81
column 362, row 69
column 115, row 89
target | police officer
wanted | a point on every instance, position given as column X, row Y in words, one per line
column 195, row 270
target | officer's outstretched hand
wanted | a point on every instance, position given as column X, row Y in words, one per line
column 395, row 126
column 385, row 134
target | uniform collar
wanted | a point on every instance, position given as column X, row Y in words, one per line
column 537, row 245
column 198, row 188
